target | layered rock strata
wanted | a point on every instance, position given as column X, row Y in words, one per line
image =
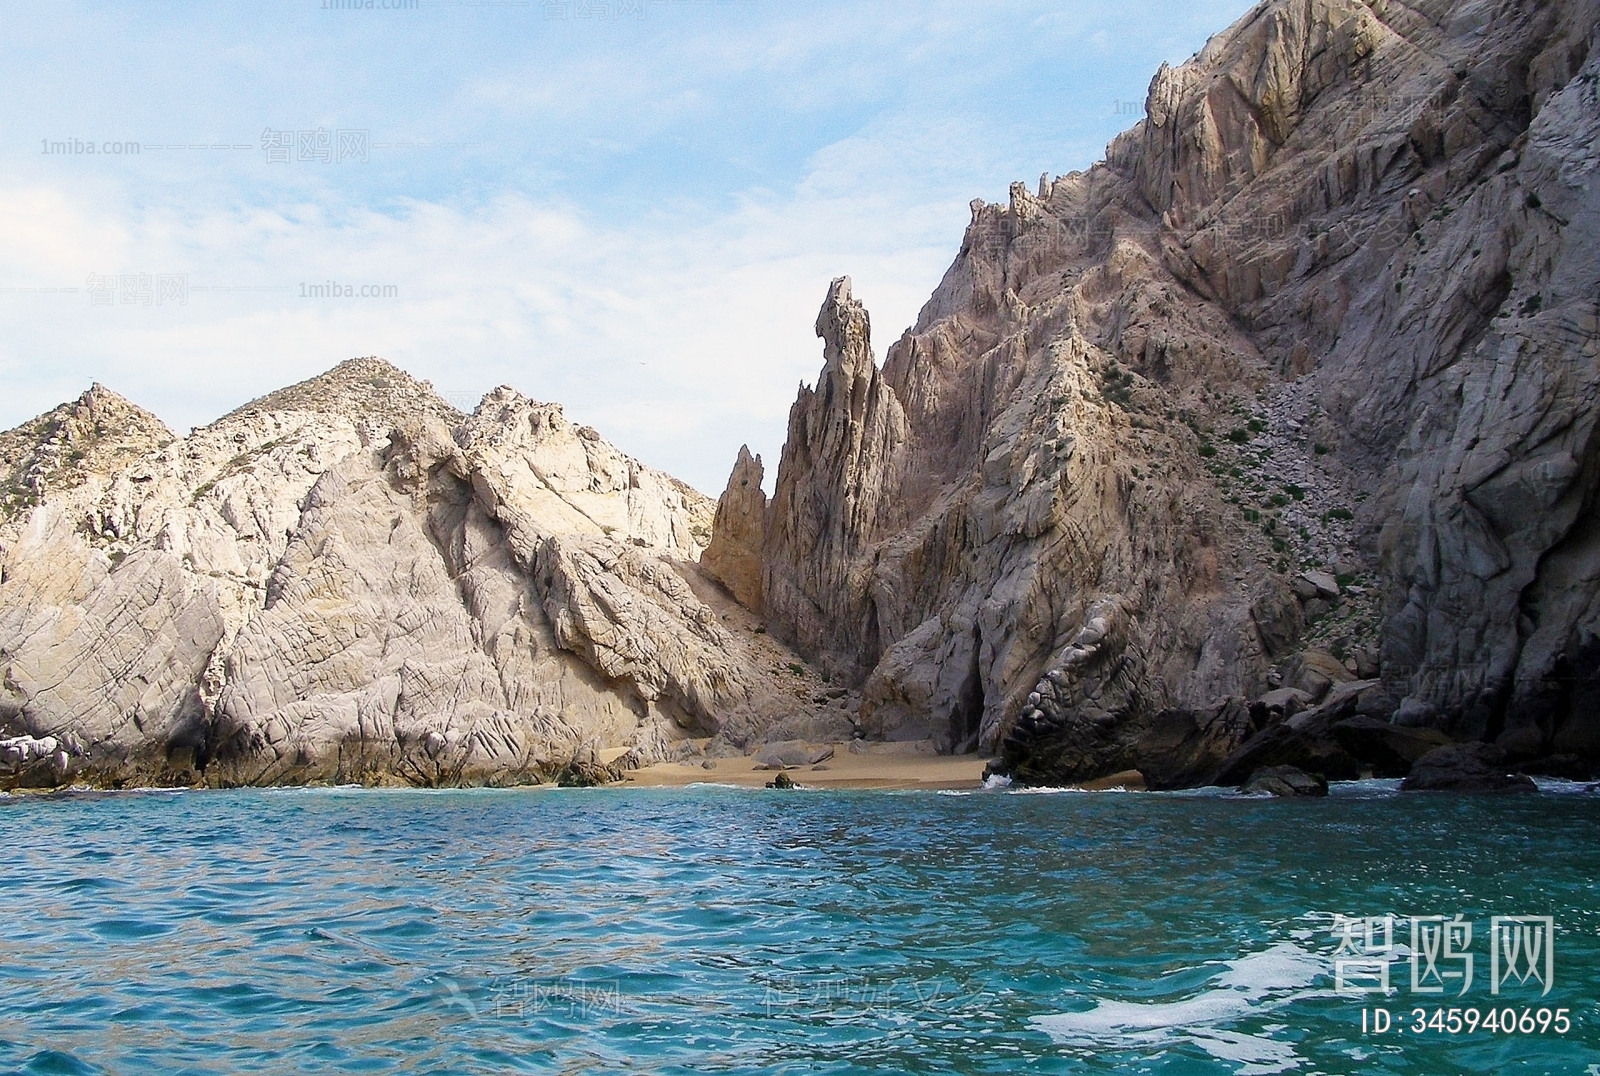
column 351, row 581
column 1303, row 374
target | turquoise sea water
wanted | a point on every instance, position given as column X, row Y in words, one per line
column 716, row 930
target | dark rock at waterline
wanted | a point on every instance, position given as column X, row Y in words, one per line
column 1187, row 748
column 1305, row 742
column 1466, row 767
column 1389, row 750
column 783, row 780
column 1339, row 739
column 1286, row 781
column 588, row 774
column 1569, row 767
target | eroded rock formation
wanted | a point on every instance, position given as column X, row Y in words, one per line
column 1331, row 306
column 1268, row 441
column 351, row 581
column 738, row 532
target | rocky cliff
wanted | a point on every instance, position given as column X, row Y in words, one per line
column 349, row 580
column 1268, row 441
column 1296, row 388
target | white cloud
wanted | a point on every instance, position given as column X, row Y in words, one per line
column 710, row 175
column 679, row 335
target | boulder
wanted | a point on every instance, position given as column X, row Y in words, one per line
column 791, row 754
column 1319, row 584
column 1315, row 672
column 1305, row 741
column 1281, row 703
column 1465, row 767
column 587, row 774
column 1310, row 747
column 1285, row 781
column 1390, row 750
column 1187, row 748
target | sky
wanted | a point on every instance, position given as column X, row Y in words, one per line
column 629, row 207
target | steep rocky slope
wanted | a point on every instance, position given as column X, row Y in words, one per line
column 349, row 580
column 1270, row 440
column 1330, row 307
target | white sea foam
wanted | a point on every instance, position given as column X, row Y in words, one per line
column 1250, row 986
column 1370, row 788
column 996, row 780
column 1205, row 792
column 1042, row 790
column 1560, row 786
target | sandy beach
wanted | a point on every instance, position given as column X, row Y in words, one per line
column 881, row 766
column 868, row 765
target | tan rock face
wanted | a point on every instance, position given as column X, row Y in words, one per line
column 738, row 533
column 839, row 463
column 1329, row 307
column 349, row 580
column 1326, row 317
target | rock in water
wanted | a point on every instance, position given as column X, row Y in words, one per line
column 1285, row 781
column 1187, row 749
column 588, row 774
column 1465, row 767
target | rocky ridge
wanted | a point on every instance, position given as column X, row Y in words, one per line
column 1263, row 448
column 1294, row 390
column 349, row 580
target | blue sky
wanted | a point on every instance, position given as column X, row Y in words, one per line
column 631, row 207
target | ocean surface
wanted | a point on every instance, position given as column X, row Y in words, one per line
column 718, row 930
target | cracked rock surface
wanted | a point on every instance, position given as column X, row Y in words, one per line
column 351, row 581
column 1330, row 308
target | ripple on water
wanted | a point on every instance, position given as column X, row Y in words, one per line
column 56, row 1063
column 727, row 931
column 129, row 930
